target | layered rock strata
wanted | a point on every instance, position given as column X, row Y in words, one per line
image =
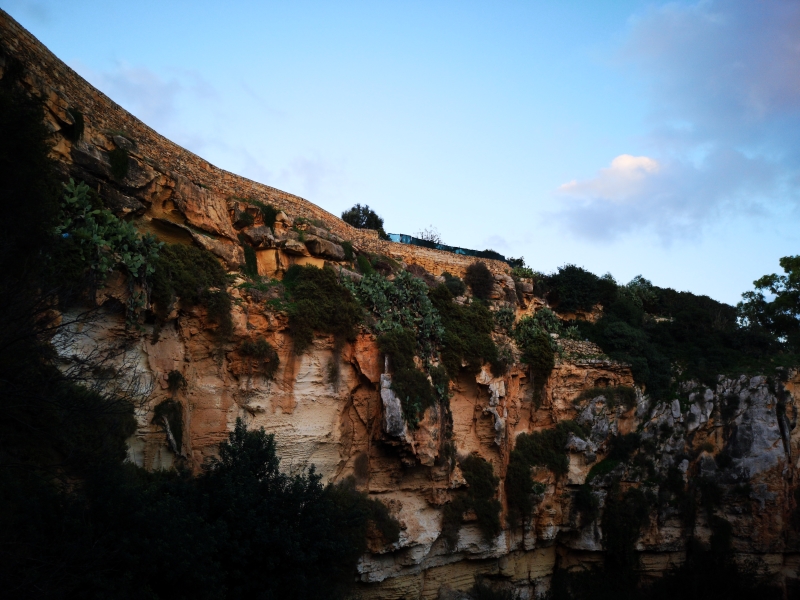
column 738, row 435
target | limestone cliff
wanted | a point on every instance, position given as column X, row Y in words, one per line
column 739, row 436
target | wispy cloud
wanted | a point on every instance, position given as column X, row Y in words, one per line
column 724, row 83
column 156, row 99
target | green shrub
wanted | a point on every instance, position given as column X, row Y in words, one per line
column 540, row 358
column 574, row 288
column 169, row 415
column 604, row 467
column 455, row 284
column 479, row 497
column 184, row 272
column 268, row 212
column 504, row 317
column 401, row 304
column 541, row 448
column 415, row 393
column 99, row 243
column 119, row 158
column 614, row 395
column 261, row 351
column 250, row 268
column 532, row 335
column 467, row 334
column 363, row 217
column 523, row 272
column 547, row 448
column 348, row 251
column 480, row 280
column 319, row 303
column 218, row 305
column 245, row 219
column 191, row 274
column 400, row 345
column 364, row 265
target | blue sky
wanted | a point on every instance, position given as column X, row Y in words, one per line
column 626, row 137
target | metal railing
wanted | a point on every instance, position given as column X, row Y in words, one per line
column 410, row 239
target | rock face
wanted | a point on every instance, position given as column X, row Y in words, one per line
column 738, row 436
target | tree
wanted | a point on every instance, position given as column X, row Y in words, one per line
column 780, row 315
column 363, row 217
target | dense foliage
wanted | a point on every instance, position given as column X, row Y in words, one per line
column 542, row 448
column 533, row 337
column 779, row 316
column 94, row 242
column 410, row 384
column 363, row 217
column 400, row 304
column 480, row 280
column 318, row 302
column 479, row 498
column 193, row 276
column 467, row 333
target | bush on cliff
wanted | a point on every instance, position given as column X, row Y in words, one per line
column 363, row 217
column 410, row 384
column 318, row 302
column 478, row 498
column 480, row 280
column 541, row 448
column 467, row 334
column 400, row 304
column 193, row 276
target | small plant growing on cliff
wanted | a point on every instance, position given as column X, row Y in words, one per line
column 186, row 273
column 348, row 251
column 401, row 304
column 97, row 242
column 504, row 317
column 410, row 384
column 532, row 335
column 523, row 272
column 268, row 212
column 480, row 280
column 263, row 354
column 250, row 268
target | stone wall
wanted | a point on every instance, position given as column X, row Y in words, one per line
column 62, row 88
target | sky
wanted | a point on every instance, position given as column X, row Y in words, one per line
column 624, row 136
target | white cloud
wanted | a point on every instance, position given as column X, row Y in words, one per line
column 724, row 84
column 624, row 180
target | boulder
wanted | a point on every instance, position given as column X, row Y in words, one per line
column 319, row 247
column 295, row 247
column 259, row 237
